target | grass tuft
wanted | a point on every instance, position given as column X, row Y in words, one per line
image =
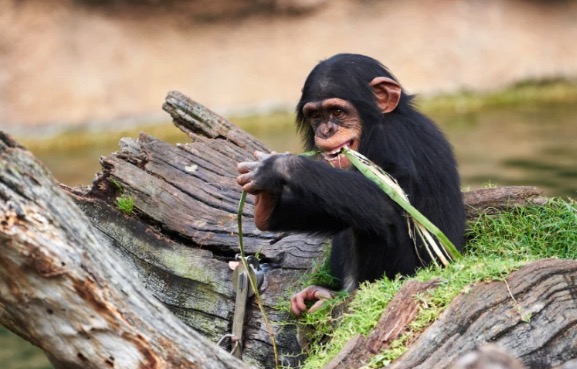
column 124, row 202
column 496, row 246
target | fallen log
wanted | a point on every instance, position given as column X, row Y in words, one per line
column 530, row 319
column 499, row 199
column 65, row 289
column 532, row 315
column 398, row 314
column 175, row 243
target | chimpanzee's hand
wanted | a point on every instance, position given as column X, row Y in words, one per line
column 320, row 294
column 268, row 173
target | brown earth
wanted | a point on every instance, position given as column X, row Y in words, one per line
column 95, row 62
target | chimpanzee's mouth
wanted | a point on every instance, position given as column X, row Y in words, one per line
column 335, row 153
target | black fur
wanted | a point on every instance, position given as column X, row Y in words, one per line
column 370, row 231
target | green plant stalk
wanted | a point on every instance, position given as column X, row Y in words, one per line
column 251, row 277
column 371, row 171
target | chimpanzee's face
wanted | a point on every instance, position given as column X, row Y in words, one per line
column 336, row 123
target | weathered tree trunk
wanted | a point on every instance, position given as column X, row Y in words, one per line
column 177, row 243
column 63, row 288
column 183, row 232
column 530, row 316
column 399, row 313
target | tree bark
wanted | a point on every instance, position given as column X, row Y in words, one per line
column 183, row 232
column 532, row 315
column 396, row 317
column 499, row 199
column 529, row 319
column 63, row 287
column 176, row 243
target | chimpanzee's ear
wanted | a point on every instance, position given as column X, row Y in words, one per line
column 388, row 93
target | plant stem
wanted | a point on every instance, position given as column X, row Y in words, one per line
column 251, row 277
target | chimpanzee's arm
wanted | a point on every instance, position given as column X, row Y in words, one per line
column 312, row 196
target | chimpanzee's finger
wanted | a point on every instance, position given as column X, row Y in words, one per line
column 245, row 178
column 249, row 188
column 323, row 293
column 263, row 155
column 298, row 304
column 246, row 166
column 317, row 305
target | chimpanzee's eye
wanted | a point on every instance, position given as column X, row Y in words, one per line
column 314, row 116
column 338, row 113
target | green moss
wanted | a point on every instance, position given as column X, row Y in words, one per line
column 124, row 202
column 496, row 246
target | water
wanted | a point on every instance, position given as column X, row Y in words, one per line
column 523, row 145
column 520, row 145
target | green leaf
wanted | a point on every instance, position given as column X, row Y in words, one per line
column 423, row 226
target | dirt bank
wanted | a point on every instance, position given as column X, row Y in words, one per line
column 67, row 63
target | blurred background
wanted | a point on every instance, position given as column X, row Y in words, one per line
column 499, row 76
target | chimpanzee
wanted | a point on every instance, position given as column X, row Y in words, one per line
column 353, row 100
